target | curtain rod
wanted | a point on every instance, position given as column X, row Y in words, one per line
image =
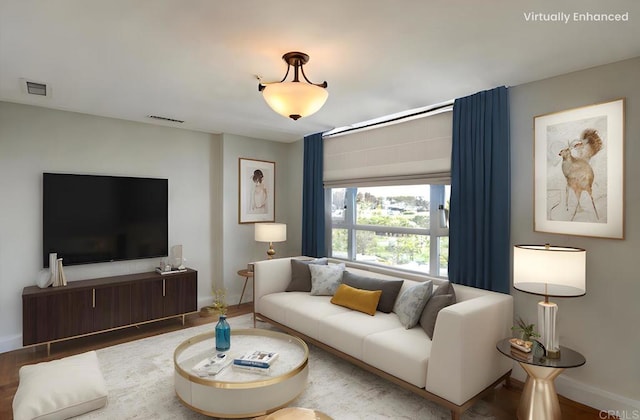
column 344, row 130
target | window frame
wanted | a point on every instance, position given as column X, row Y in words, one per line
column 437, row 193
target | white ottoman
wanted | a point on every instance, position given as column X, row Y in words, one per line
column 60, row 389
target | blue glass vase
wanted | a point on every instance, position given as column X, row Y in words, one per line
column 223, row 334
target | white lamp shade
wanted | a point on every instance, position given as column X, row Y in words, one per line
column 549, row 270
column 270, row 232
column 295, row 98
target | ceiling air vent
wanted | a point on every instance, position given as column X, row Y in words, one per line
column 34, row 88
column 31, row 87
column 156, row 117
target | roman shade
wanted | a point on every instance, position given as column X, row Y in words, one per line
column 416, row 150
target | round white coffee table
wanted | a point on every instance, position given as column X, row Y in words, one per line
column 238, row 394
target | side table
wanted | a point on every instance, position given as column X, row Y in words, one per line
column 539, row 398
column 246, row 274
column 295, row 413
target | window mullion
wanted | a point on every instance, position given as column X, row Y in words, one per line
column 350, row 219
column 437, row 199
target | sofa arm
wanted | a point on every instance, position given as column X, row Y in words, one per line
column 270, row 276
column 464, row 360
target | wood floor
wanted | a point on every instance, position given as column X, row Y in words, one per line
column 502, row 401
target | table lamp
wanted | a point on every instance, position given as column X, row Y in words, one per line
column 270, row 232
column 550, row 271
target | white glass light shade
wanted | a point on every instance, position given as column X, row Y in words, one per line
column 549, row 270
column 270, row 232
column 294, row 98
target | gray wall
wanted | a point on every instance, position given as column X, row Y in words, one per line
column 603, row 324
column 239, row 247
column 202, row 170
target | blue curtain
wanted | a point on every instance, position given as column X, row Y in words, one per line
column 479, row 250
column 313, row 226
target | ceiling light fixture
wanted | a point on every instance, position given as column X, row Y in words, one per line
column 294, row 99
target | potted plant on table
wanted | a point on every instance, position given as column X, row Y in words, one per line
column 223, row 330
column 525, row 330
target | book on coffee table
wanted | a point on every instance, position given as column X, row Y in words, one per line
column 252, row 369
column 258, row 358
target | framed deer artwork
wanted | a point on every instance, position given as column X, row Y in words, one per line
column 579, row 171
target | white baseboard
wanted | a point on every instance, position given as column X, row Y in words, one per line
column 9, row 343
column 611, row 405
column 608, row 402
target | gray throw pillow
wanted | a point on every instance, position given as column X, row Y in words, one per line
column 325, row 279
column 301, row 276
column 411, row 302
column 390, row 288
column 442, row 297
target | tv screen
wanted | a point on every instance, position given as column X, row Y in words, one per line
column 93, row 218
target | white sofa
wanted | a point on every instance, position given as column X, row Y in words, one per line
column 453, row 369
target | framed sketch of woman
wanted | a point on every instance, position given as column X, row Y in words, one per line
column 256, row 191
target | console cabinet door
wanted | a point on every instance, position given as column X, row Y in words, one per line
column 112, row 307
column 180, row 294
column 57, row 315
column 146, row 300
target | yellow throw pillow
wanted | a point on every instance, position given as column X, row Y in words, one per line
column 357, row 299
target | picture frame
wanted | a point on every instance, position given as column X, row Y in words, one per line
column 579, row 171
column 256, row 190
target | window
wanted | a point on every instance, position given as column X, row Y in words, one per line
column 404, row 227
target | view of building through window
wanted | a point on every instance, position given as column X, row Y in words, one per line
column 400, row 226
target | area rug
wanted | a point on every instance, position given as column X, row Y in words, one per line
column 139, row 376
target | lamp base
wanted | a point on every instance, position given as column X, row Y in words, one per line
column 271, row 252
column 553, row 354
column 547, row 317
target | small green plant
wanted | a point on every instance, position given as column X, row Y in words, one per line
column 526, row 330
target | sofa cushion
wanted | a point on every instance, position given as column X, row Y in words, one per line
column 325, row 279
column 346, row 331
column 389, row 288
column 443, row 296
column 357, row 299
column 60, row 389
column 411, row 302
column 400, row 352
column 299, row 310
column 300, row 274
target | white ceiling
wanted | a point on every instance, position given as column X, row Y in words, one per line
column 196, row 60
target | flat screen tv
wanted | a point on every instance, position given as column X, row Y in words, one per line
column 94, row 218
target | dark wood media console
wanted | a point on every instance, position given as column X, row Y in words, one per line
column 92, row 306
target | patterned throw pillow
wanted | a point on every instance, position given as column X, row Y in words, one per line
column 300, row 274
column 325, row 279
column 411, row 302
